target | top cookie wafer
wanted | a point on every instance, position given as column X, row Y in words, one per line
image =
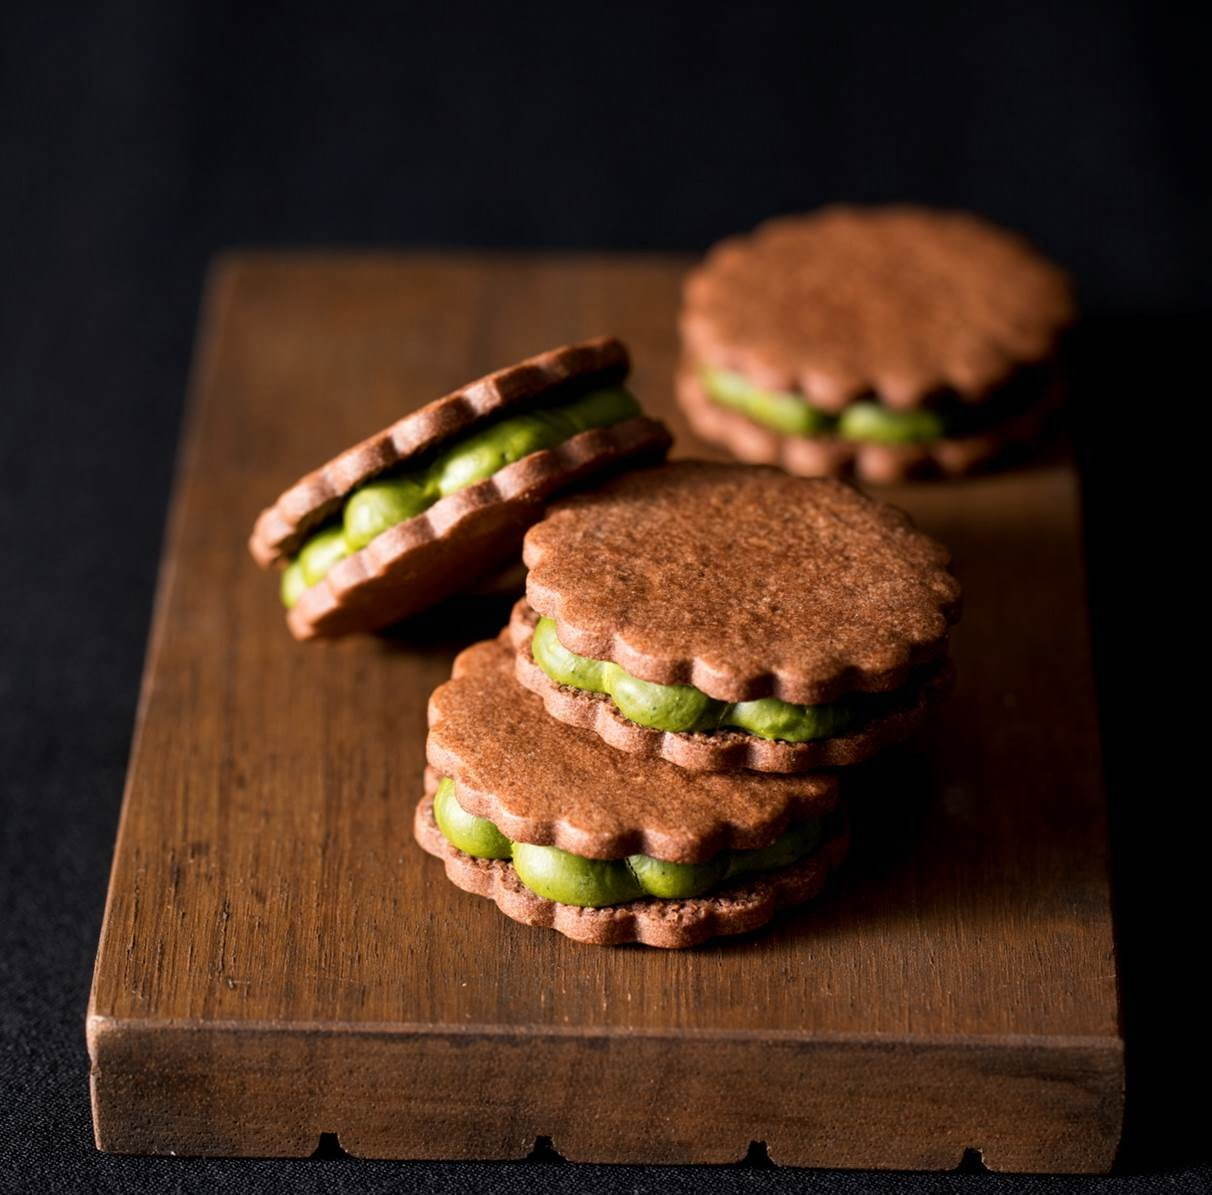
column 743, row 582
column 313, row 498
column 899, row 302
column 469, row 526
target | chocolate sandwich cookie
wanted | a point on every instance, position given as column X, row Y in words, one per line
column 723, row 616
column 440, row 500
column 889, row 342
column 561, row 830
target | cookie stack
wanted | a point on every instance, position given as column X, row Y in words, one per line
column 888, row 342
column 654, row 749
column 650, row 751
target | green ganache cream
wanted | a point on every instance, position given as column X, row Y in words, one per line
column 592, row 883
column 399, row 495
column 683, row 708
column 792, row 414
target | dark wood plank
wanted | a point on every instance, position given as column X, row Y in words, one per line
column 279, row 959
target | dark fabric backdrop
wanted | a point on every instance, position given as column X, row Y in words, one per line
column 136, row 140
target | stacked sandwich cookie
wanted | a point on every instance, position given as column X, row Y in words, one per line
column 649, row 751
column 440, row 500
column 562, row 830
column 887, row 342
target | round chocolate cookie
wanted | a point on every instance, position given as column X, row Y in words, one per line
column 887, row 341
column 541, row 782
column 440, row 500
column 741, row 583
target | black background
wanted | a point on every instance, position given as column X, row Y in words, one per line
column 136, row 140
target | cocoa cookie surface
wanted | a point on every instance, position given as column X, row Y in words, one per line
column 465, row 535
column 672, row 924
column 899, row 302
column 723, row 749
column 541, row 781
column 743, row 582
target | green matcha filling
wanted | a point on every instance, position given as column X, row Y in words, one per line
column 394, row 497
column 792, row 414
column 683, row 707
column 591, row 883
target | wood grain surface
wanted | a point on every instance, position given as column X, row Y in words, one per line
column 280, row 960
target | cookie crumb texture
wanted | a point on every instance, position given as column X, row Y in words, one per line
column 898, row 302
column 671, row 924
column 743, row 582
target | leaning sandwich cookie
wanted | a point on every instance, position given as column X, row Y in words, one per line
column 884, row 341
column 731, row 616
column 561, row 830
column 440, row 500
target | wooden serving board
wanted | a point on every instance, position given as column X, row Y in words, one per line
column 280, row 960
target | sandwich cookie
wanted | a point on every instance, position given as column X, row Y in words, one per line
column 563, row 831
column 440, row 500
column 730, row 616
column 888, row 342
